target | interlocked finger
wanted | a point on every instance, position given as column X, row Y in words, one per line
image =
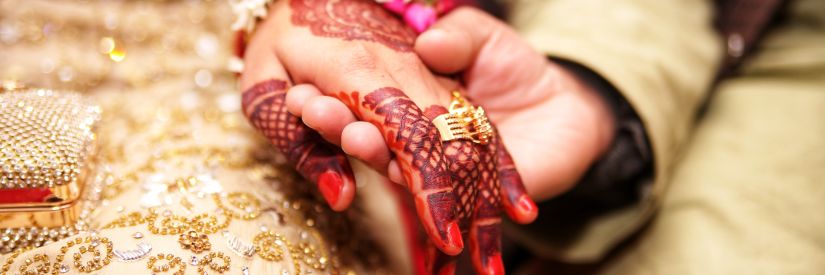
column 415, row 142
column 485, row 181
column 317, row 160
column 485, row 228
column 518, row 205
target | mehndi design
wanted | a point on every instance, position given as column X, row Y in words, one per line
column 353, row 20
column 265, row 106
column 417, row 148
column 483, row 176
column 460, row 187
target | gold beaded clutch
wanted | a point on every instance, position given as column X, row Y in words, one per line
column 46, row 142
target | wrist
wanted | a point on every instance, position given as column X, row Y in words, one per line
column 624, row 161
column 583, row 129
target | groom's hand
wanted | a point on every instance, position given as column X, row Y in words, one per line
column 554, row 124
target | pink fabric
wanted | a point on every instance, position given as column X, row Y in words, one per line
column 420, row 15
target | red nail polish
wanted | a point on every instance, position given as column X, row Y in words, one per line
column 494, row 265
column 330, row 184
column 449, row 269
column 454, row 238
column 528, row 208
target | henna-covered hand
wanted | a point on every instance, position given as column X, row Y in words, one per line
column 556, row 124
column 351, row 45
column 485, row 182
column 352, row 20
column 417, row 147
column 354, row 45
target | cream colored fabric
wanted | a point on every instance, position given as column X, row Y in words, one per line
column 745, row 190
column 171, row 114
column 661, row 55
column 745, row 198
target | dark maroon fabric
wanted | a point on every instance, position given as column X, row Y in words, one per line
column 748, row 19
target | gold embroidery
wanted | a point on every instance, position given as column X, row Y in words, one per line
column 249, row 205
column 192, row 240
column 269, row 246
column 12, row 257
column 131, row 219
column 42, row 268
column 209, row 260
column 98, row 261
column 172, row 262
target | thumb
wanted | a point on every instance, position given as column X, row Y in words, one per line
column 453, row 43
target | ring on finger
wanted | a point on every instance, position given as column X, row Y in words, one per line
column 464, row 121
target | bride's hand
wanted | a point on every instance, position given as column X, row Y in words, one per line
column 354, row 52
column 345, row 48
column 555, row 124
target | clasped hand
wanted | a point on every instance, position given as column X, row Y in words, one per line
column 325, row 79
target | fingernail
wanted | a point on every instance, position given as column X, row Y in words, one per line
column 494, row 265
column 330, row 184
column 448, row 269
column 528, row 208
column 454, row 240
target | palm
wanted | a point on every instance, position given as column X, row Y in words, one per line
column 544, row 115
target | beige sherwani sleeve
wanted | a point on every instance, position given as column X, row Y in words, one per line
column 660, row 55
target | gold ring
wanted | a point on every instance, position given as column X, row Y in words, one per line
column 464, row 121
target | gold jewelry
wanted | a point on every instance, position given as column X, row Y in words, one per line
column 46, row 143
column 269, row 245
column 208, row 224
column 45, row 138
column 208, row 260
column 310, row 256
column 168, row 225
column 128, row 220
column 174, row 224
column 173, row 262
column 464, row 121
column 192, row 240
column 10, row 260
column 15, row 238
column 42, row 268
column 98, row 260
column 249, row 204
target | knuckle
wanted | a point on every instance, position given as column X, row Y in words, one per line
column 462, row 153
column 358, row 58
column 422, row 135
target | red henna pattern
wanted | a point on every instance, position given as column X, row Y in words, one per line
column 474, row 170
column 416, row 143
column 511, row 184
column 264, row 106
column 485, row 233
column 407, row 128
column 353, row 20
column 463, row 161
